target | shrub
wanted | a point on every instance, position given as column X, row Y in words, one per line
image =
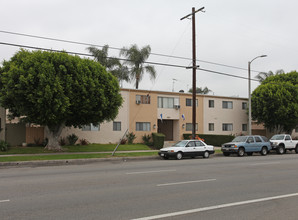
column 45, row 142
column 72, row 139
column 83, row 142
column 130, row 137
column 215, row 140
column 123, row 141
column 158, row 140
column 4, row 146
column 62, row 141
column 146, row 139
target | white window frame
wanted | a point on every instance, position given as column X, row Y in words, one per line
column 227, row 127
column 143, row 126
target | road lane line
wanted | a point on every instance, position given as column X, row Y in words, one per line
column 217, row 207
column 178, row 183
column 5, row 200
column 266, row 163
column 153, row 171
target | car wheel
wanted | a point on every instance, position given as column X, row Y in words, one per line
column 264, row 151
column 241, row 152
column 179, row 155
column 249, row 153
column 206, row 154
column 226, row 154
column 296, row 149
column 280, row 150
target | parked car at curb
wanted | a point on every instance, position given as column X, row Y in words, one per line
column 187, row 148
column 247, row 144
column 283, row 142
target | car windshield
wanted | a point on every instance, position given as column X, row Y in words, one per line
column 240, row 139
column 278, row 137
column 180, row 144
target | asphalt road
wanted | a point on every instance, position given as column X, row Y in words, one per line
column 255, row 187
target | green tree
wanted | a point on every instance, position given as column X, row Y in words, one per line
column 57, row 90
column 136, row 58
column 112, row 64
column 263, row 75
column 200, row 90
column 275, row 102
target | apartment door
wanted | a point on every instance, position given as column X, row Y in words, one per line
column 166, row 127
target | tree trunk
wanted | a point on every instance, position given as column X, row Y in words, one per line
column 53, row 135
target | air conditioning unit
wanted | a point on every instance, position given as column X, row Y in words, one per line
column 176, row 106
column 138, row 102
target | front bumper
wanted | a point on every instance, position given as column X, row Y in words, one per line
column 167, row 154
column 229, row 149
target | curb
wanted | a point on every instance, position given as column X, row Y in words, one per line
column 40, row 163
column 72, row 161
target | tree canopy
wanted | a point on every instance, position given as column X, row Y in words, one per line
column 112, row 64
column 275, row 102
column 136, row 58
column 56, row 90
column 200, row 90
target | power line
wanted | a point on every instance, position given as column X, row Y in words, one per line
column 115, row 48
column 153, row 63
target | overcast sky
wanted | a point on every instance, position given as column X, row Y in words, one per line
column 230, row 32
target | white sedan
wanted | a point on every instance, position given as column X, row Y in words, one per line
column 187, row 148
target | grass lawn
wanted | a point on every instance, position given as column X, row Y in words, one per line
column 73, row 156
column 77, row 148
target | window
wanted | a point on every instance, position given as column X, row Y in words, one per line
column 165, row 102
column 258, row 139
column 199, row 144
column 244, row 105
column 211, row 126
column 191, row 144
column 250, row 140
column 189, row 102
column 143, row 126
column 227, row 127
column 143, row 99
column 116, row 126
column 227, row 104
column 244, row 127
column 211, row 103
column 90, row 127
column 288, row 138
column 189, row 126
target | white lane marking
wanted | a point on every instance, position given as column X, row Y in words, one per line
column 5, row 200
column 268, row 163
column 178, row 183
column 154, row 171
column 217, row 207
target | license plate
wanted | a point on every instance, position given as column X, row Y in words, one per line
column 162, row 155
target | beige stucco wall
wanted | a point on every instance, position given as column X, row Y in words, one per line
column 187, row 111
column 106, row 133
column 218, row 115
column 3, row 121
column 142, row 113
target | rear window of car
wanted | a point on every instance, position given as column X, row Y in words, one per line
column 265, row 139
column 258, row 139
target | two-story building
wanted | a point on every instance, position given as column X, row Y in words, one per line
column 170, row 113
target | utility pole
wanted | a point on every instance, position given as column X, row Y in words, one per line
column 173, row 84
column 194, row 67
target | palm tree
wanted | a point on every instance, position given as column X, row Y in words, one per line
column 112, row 64
column 262, row 75
column 200, row 90
column 136, row 58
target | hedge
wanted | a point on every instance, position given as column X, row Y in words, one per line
column 158, row 140
column 215, row 140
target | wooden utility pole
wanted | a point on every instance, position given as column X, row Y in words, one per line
column 194, row 68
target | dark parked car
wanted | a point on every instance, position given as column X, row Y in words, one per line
column 247, row 144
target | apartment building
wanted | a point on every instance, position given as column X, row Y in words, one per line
column 170, row 113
